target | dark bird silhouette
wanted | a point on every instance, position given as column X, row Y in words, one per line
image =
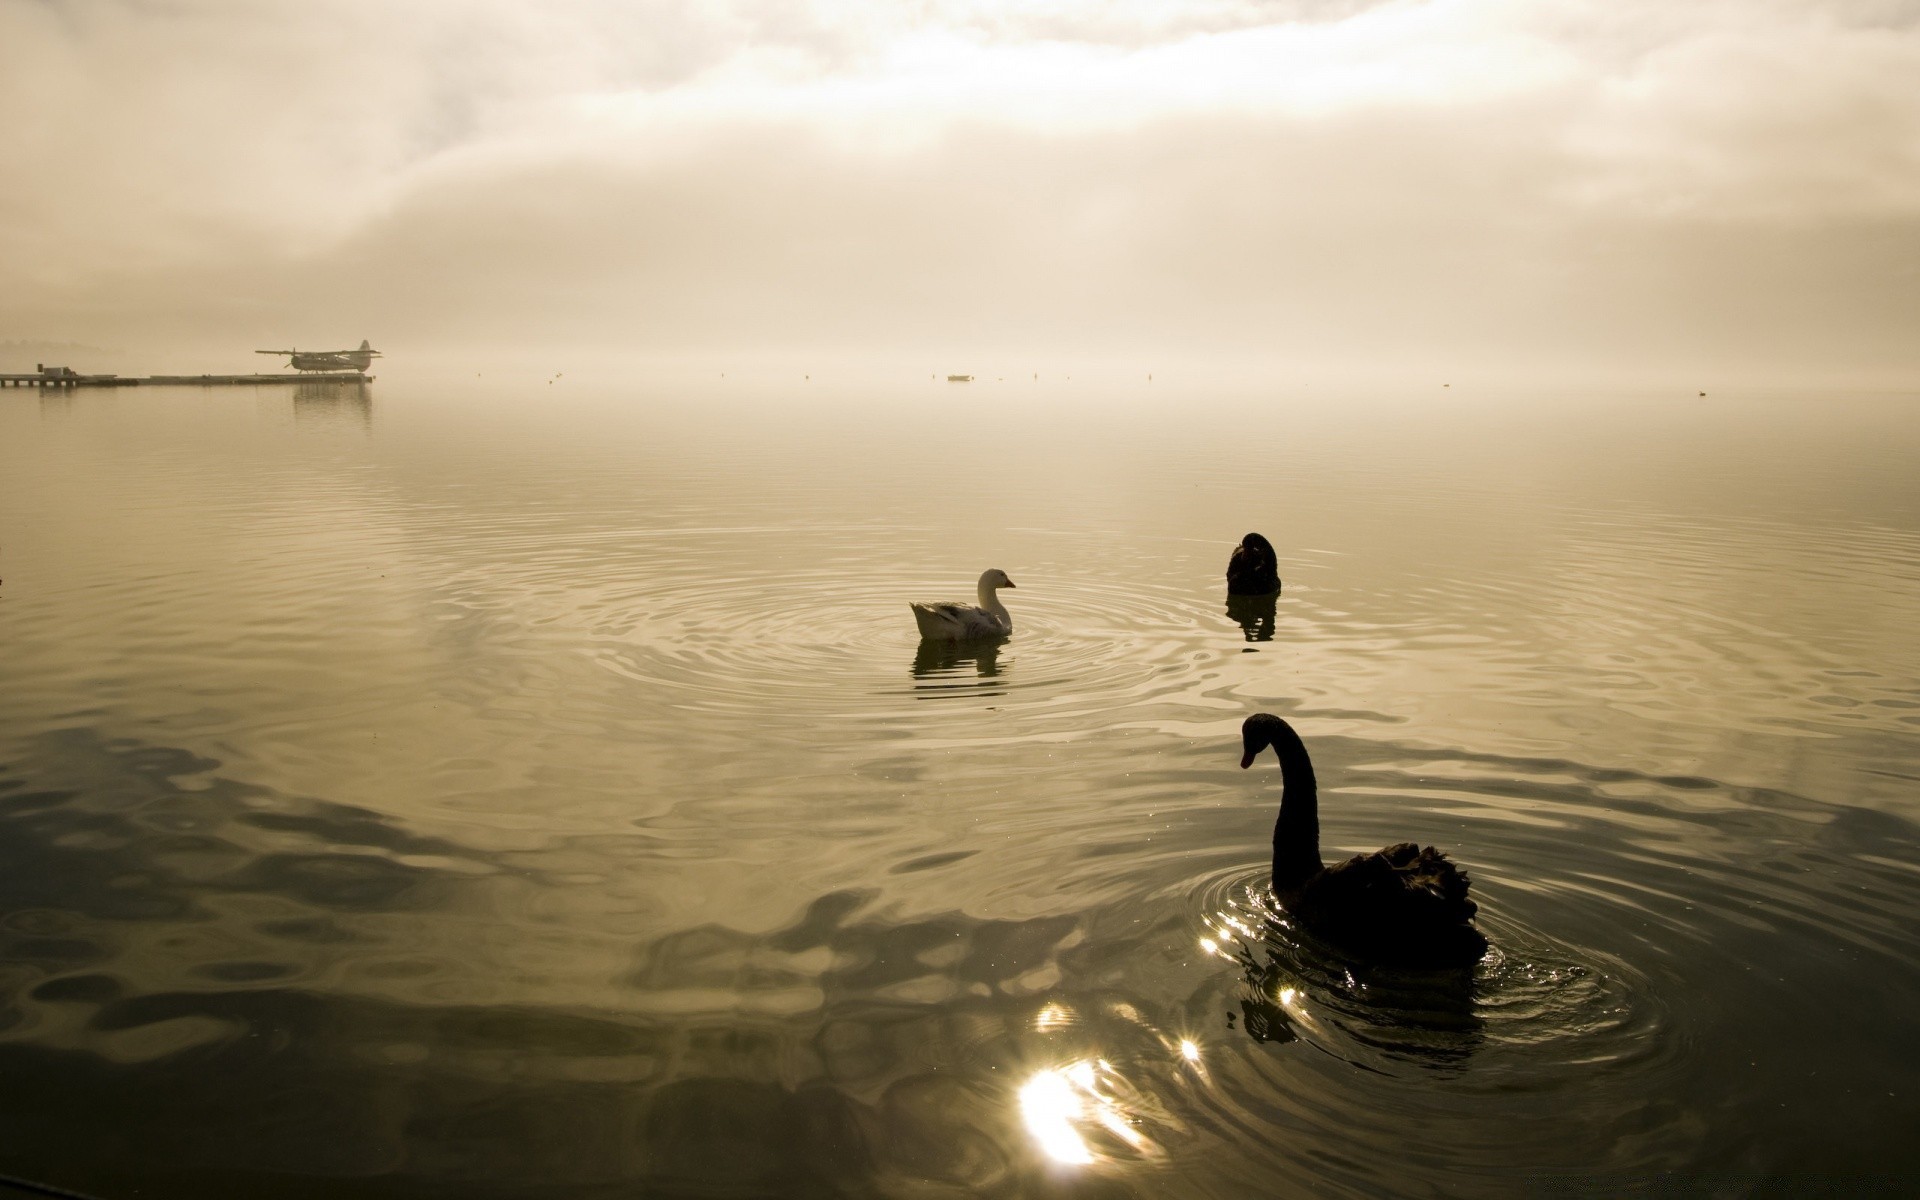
column 1405, row 905
column 1253, row 570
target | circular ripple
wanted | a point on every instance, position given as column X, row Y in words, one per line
column 837, row 637
column 1529, row 990
column 1356, row 1058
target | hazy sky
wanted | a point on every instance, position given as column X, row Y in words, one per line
column 1527, row 186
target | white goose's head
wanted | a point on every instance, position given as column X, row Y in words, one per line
column 993, row 579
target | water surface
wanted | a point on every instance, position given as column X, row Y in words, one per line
column 516, row 789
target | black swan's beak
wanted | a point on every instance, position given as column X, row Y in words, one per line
column 1256, row 734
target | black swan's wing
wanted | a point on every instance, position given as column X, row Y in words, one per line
column 1425, row 871
column 1405, row 904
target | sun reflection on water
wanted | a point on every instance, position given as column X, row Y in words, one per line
column 1050, row 1105
column 1081, row 1109
column 1062, row 1106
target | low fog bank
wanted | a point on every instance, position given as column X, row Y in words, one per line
column 833, row 374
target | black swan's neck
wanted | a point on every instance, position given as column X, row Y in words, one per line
column 1296, row 833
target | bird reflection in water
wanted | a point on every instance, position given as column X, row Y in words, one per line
column 1254, row 614
column 939, row 660
column 333, row 402
column 1297, row 988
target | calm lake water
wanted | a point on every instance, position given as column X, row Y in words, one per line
column 512, row 788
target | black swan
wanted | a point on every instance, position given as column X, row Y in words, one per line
column 1254, row 569
column 1405, row 905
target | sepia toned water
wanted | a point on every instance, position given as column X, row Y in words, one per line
column 513, row 788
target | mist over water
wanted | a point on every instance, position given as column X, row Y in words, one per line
column 512, row 787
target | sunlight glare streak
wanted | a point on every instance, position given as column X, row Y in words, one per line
column 1110, row 1118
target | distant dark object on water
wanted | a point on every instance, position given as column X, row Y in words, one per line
column 959, row 379
column 1254, row 570
column 1404, row 906
column 1703, row 393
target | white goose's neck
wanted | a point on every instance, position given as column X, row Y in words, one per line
column 990, row 600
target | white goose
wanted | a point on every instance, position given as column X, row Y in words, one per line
column 959, row 622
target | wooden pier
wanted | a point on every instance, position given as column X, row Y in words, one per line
column 64, row 377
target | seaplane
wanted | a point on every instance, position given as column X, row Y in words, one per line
column 329, row 360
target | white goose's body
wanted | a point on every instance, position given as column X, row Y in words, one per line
column 963, row 622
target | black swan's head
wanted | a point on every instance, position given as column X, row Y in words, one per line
column 1253, row 543
column 1258, row 732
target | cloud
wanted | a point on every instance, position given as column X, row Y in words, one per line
column 1449, row 180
